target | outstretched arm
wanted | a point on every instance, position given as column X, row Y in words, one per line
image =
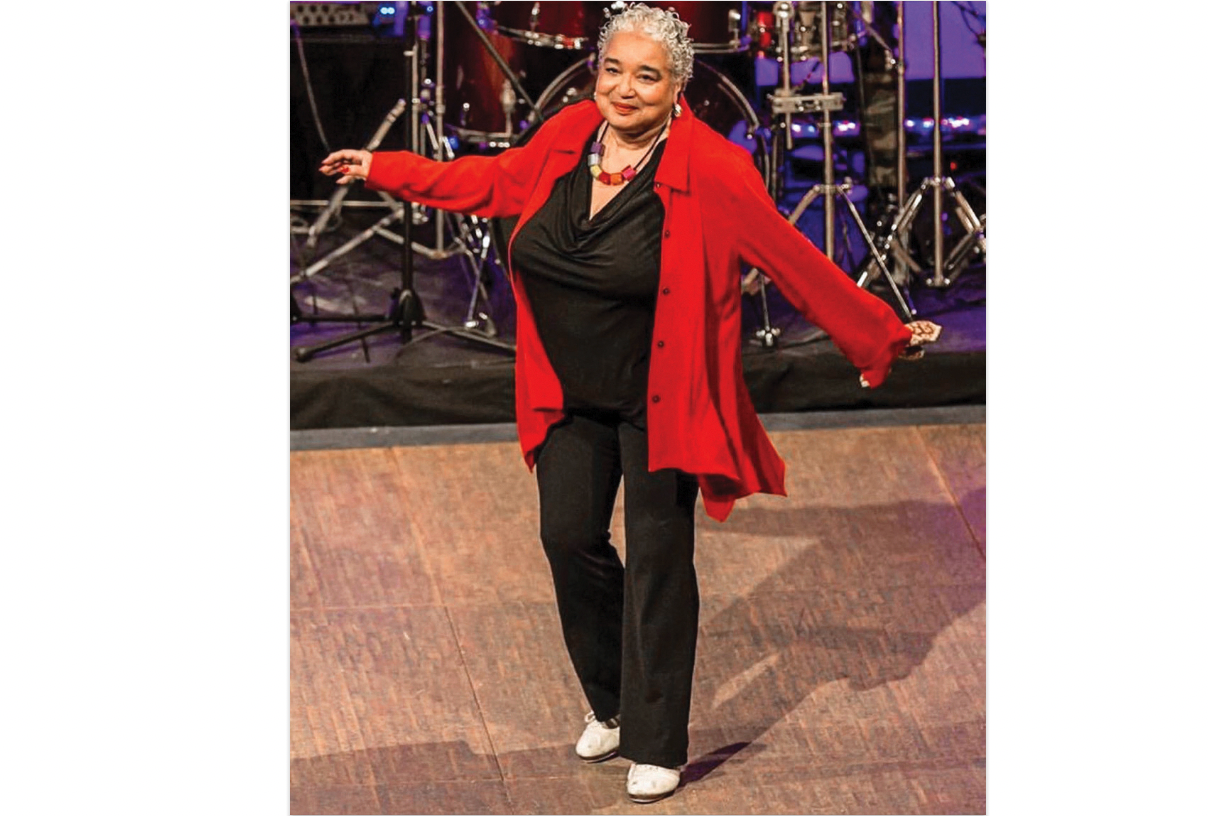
column 489, row 186
column 862, row 326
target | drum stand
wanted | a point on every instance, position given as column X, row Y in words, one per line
column 785, row 102
column 944, row 272
column 887, row 243
column 406, row 311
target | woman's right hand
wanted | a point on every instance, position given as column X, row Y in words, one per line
column 351, row 165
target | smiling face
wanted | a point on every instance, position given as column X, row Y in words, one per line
column 635, row 89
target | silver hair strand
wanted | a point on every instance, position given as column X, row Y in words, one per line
column 660, row 25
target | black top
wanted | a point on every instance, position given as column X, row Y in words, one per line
column 592, row 284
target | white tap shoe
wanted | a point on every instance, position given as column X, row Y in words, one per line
column 650, row 783
column 600, row 740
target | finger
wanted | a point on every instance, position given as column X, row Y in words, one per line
column 339, row 159
column 334, row 169
column 340, row 155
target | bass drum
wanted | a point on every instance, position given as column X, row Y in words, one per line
column 714, row 99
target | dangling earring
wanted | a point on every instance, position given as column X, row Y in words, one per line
column 676, row 110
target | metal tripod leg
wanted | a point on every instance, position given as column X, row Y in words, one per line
column 908, row 311
column 974, row 225
column 974, row 240
column 879, row 254
column 805, row 202
column 344, row 249
column 767, row 334
column 476, row 243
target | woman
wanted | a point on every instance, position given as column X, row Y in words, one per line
column 634, row 219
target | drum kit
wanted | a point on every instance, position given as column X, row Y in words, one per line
column 483, row 75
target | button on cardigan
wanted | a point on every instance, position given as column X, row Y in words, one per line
column 700, row 418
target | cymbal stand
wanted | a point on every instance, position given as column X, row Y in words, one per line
column 939, row 185
column 888, row 244
column 786, row 101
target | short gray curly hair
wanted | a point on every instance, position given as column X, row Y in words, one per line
column 660, row 25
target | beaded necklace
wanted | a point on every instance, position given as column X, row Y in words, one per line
column 597, row 155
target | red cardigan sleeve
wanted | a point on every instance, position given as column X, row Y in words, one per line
column 862, row 326
column 489, row 186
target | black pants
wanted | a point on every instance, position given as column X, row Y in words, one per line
column 630, row 630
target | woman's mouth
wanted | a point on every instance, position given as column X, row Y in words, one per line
column 619, row 108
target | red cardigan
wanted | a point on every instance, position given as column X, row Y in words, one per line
column 700, row 417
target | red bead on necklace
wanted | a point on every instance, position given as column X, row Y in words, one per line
column 626, row 175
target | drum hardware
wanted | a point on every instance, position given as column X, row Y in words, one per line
column 940, row 187
column 790, row 103
column 887, row 245
column 819, row 32
column 405, row 312
column 879, row 256
column 799, row 21
column 973, row 242
column 785, row 101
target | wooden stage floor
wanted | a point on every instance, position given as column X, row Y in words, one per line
column 840, row 669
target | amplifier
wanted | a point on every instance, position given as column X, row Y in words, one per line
column 332, row 15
